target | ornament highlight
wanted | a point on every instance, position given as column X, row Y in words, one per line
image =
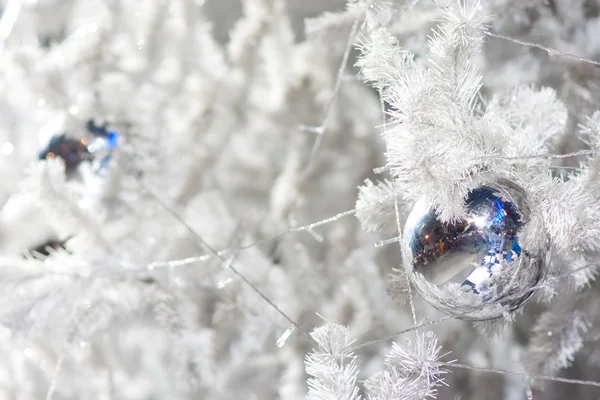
column 474, row 267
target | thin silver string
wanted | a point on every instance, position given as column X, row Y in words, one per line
column 506, row 372
column 308, row 227
column 320, row 130
column 549, row 50
column 544, row 155
column 229, row 262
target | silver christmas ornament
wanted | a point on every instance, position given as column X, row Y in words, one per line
column 475, row 267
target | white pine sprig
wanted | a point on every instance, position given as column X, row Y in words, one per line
column 436, row 146
column 454, row 47
column 375, row 207
column 411, row 372
column 590, row 133
column 559, row 334
column 581, row 270
column 570, row 213
column 392, row 385
column 528, row 118
column 570, row 209
column 397, row 286
column 591, row 129
column 332, row 365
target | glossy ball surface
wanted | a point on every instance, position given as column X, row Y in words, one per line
column 476, row 261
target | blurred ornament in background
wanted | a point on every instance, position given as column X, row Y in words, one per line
column 476, row 260
column 73, row 151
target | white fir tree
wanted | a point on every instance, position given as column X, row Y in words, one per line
column 204, row 199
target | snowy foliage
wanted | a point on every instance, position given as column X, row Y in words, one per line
column 375, row 207
column 241, row 204
column 411, row 371
column 332, row 365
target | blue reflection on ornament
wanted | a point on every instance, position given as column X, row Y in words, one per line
column 501, row 213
